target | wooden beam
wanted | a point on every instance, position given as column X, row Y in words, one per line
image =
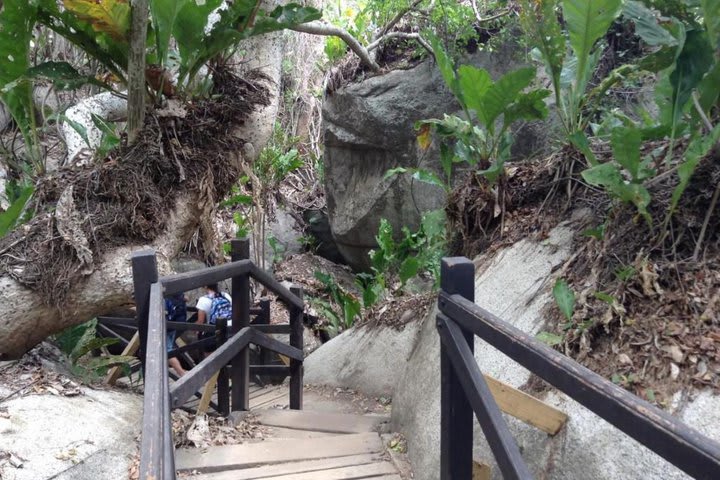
column 525, row 407
column 481, row 471
column 130, row 350
column 207, row 394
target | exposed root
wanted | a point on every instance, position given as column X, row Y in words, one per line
column 79, row 213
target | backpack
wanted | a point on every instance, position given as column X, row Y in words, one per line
column 176, row 308
column 221, row 308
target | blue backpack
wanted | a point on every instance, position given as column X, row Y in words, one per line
column 221, row 308
column 176, row 308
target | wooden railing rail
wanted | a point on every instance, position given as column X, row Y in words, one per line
column 464, row 391
column 232, row 352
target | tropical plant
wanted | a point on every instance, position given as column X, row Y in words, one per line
column 202, row 31
column 79, row 341
column 18, row 198
column 348, row 303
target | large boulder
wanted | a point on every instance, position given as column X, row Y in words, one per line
column 369, row 129
column 514, row 285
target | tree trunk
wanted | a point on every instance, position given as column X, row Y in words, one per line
column 25, row 320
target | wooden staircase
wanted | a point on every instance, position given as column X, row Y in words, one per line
column 303, row 445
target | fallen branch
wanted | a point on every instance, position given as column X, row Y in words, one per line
column 319, row 28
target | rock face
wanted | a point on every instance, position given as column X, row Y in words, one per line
column 87, row 437
column 368, row 360
column 369, row 129
column 515, row 285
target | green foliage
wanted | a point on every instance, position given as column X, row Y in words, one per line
column 416, row 253
column 278, row 159
column 626, row 142
column 278, row 249
column 80, row 340
column 549, row 339
column 12, row 216
column 350, row 308
column 480, row 139
column 564, row 298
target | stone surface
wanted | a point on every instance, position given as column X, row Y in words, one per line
column 88, row 437
column 515, row 284
column 367, row 360
column 369, row 129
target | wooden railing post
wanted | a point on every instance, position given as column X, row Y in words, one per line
column 223, row 383
column 296, row 340
column 145, row 273
column 240, row 370
column 457, row 276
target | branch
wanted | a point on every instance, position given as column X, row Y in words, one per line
column 389, row 26
column 318, row 28
column 486, row 19
column 413, row 36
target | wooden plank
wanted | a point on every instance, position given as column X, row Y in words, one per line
column 291, row 467
column 274, row 329
column 258, row 390
column 275, row 287
column 525, row 407
column 481, row 471
column 321, row 421
column 130, row 350
column 281, row 432
column 370, row 470
column 277, row 346
column 225, row 457
column 270, row 399
column 207, row 394
column 240, row 291
column 296, row 340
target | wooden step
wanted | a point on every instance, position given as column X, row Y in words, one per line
column 322, row 421
column 227, row 457
column 302, row 467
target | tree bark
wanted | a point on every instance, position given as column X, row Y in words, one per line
column 25, row 320
column 136, row 69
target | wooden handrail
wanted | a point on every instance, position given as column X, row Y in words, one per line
column 156, row 411
column 276, row 287
column 198, row 376
column 461, row 319
column 183, row 282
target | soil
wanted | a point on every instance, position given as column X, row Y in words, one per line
column 81, row 212
column 647, row 314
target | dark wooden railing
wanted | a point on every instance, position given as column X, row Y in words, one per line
column 230, row 359
column 464, row 391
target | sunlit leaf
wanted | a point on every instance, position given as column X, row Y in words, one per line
column 424, row 136
column 107, row 16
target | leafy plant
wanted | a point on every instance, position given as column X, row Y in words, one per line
column 79, row 341
column 13, row 215
column 564, row 298
column 482, row 138
column 278, row 249
column 586, row 21
column 416, row 253
column 348, row 303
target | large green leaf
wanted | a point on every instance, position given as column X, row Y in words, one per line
column 539, row 20
column 709, row 88
column 189, row 29
column 163, row 14
column 10, row 217
column 528, row 106
column 647, row 24
column 17, row 19
column 696, row 151
column 693, row 62
column 474, row 84
column 445, row 65
column 587, row 21
column 626, row 142
column 609, row 177
column 107, row 16
column 711, row 17
column 502, row 93
column 62, row 75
